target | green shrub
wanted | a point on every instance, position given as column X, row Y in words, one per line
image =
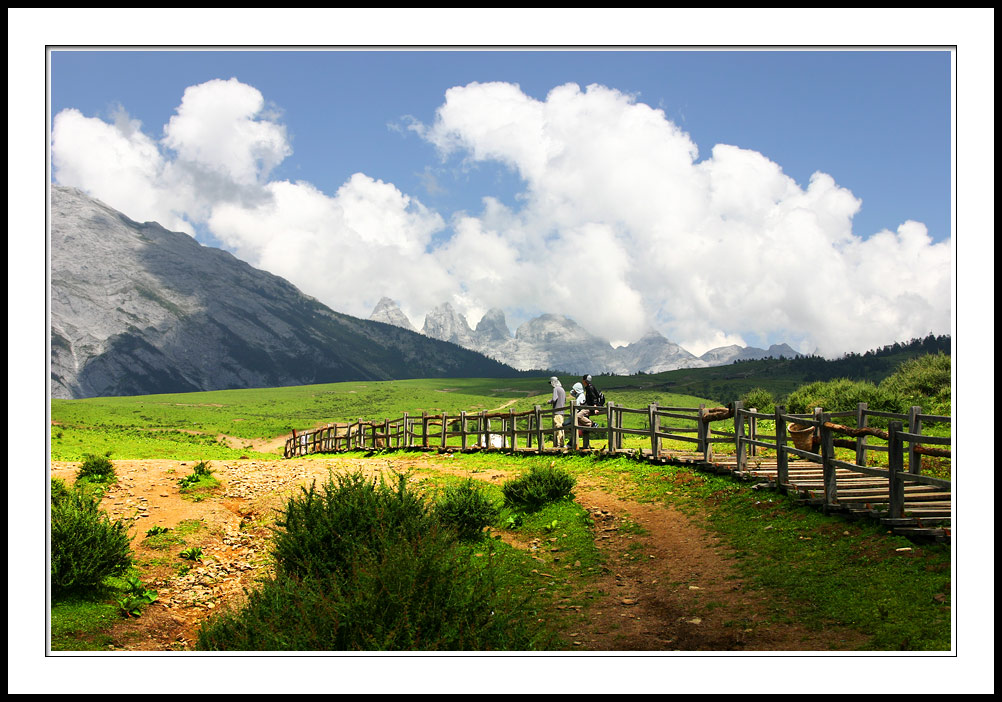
column 538, row 487
column 365, row 566
column 759, row 398
column 322, row 530
column 58, row 490
column 413, row 594
column 923, row 381
column 86, row 544
column 467, row 509
column 97, row 469
column 841, row 395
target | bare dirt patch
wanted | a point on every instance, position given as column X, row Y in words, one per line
column 670, row 585
column 667, row 584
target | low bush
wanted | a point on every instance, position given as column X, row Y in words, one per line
column 322, row 530
column 841, row 395
column 466, row 508
column 413, row 594
column 58, row 490
column 97, row 469
column 538, row 487
column 924, row 381
column 86, row 544
column 362, row 565
column 759, row 398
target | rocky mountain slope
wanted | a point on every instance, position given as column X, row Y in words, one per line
column 137, row 309
column 560, row 343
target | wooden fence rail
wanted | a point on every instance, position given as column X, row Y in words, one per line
column 888, row 493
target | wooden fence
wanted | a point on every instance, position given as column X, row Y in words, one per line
column 840, row 485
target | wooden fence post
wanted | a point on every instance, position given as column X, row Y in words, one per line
column 653, row 423
column 539, row 428
column 782, row 458
column 610, row 420
column 512, row 436
column 861, row 422
column 424, row 430
column 703, row 432
column 445, row 430
column 739, row 429
column 462, row 429
column 828, row 464
column 485, row 428
column 914, row 427
column 895, row 467
column 574, row 427
column 753, row 431
column 407, row 437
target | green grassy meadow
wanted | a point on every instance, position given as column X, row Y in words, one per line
column 186, row 426
column 821, row 568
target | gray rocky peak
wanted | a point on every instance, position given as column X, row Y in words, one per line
column 493, row 327
column 389, row 312
column 443, row 322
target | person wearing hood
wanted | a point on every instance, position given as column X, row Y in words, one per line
column 583, row 415
column 558, row 402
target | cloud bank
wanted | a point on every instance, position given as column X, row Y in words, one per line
column 620, row 225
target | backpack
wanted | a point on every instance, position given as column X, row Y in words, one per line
column 597, row 396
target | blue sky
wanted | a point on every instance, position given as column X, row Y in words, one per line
column 878, row 121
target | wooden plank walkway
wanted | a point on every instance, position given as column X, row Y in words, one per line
column 928, row 510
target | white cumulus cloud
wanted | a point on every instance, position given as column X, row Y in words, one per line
column 620, row 225
column 728, row 248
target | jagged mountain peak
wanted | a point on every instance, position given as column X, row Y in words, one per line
column 445, row 323
column 389, row 312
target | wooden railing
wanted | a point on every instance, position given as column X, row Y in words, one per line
column 530, row 431
column 510, row 430
column 904, row 449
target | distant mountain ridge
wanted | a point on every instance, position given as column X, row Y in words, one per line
column 559, row 343
column 137, row 309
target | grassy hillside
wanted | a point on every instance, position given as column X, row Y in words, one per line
column 189, row 425
column 225, row 424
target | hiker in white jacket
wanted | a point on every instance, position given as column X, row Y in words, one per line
column 559, row 401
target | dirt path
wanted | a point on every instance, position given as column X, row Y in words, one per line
column 667, row 584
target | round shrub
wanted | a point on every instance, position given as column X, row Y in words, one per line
column 321, row 531
column 539, row 487
column 759, row 398
column 467, row 509
column 86, row 544
column 97, row 469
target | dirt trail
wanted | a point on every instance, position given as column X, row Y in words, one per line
column 667, row 584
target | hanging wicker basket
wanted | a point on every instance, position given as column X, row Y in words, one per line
column 802, row 436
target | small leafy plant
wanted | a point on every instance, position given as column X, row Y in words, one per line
column 538, row 487
column 193, row 553
column 514, row 521
column 157, row 530
column 198, row 485
column 132, row 604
